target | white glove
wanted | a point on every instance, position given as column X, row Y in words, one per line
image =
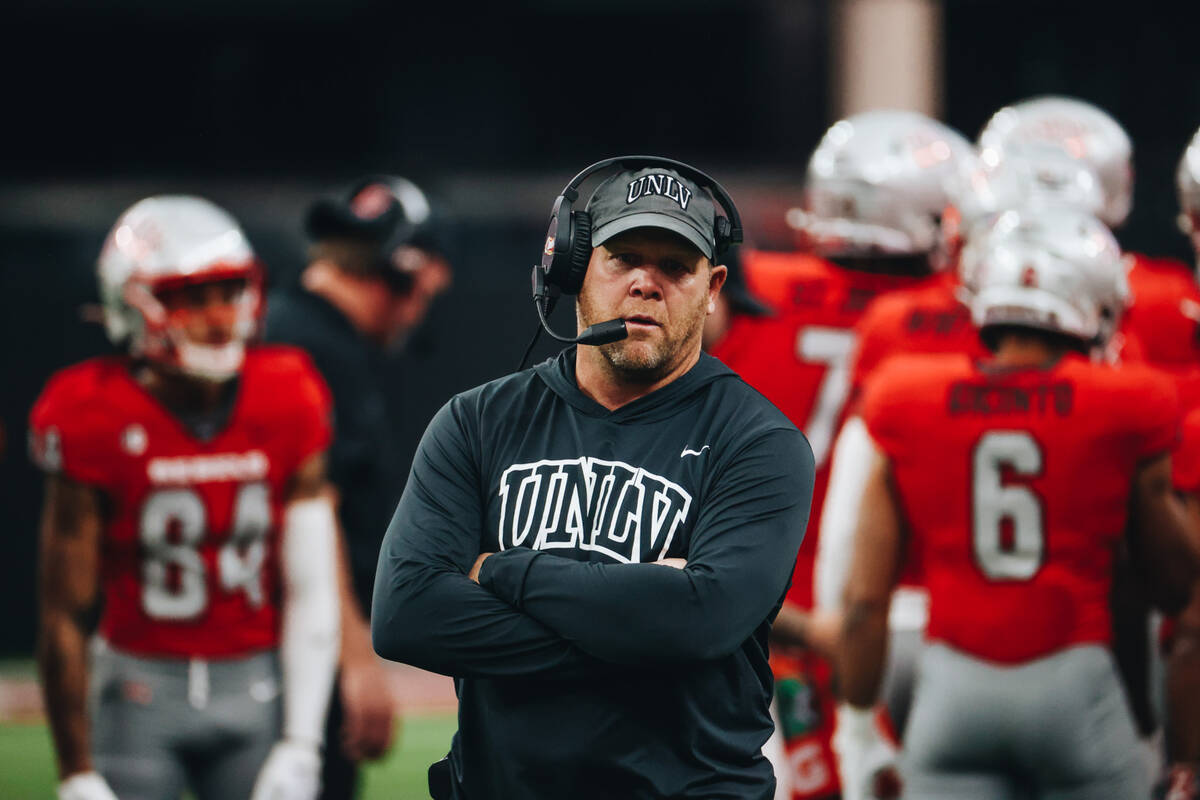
column 85, row 786
column 866, row 760
column 292, row 771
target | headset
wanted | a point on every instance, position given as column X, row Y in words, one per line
column 568, row 246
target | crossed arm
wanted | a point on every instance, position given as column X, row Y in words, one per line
column 536, row 613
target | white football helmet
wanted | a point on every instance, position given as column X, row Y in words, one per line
column 1055, row 269
column 167, row 242
column 878, row 183
column 1043, row 143
column 1187, row 184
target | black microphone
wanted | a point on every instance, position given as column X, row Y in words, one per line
column 544, row 297
column 613, row 330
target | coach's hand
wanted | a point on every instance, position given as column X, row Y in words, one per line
column 368, row 706
column 292, row 771
column 677, row 563
column 85, row 786
column 474, row 574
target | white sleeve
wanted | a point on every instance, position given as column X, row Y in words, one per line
column 839, row 516
column 310, row 638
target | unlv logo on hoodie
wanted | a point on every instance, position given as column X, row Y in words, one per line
column 623, row 511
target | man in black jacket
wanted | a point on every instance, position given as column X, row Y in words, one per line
column 370, row 278
column 595, row 548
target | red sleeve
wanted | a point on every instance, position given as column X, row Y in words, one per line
column 882, row 409
column 1185, row 465
column 1153, row 412
column 1188, row 383
column 68, row 433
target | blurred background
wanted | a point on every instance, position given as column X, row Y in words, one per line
column 261, row 105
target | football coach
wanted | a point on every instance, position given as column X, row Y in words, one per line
column 595, row 548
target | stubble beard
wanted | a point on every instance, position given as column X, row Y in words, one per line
column 641, row 361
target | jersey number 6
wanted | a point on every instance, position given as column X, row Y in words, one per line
column 1006, row 553
column 239, row 562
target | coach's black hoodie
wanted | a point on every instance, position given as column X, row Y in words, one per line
column 583, row 670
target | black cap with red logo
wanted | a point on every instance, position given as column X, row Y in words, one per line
column 370, row 211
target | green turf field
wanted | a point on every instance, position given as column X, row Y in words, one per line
column 27, row 765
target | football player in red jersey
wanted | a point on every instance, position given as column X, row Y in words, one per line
column 876, row 185
column 975, row 471
column 185, row 489
column 1043, row 153
column 932, row 319
column 1159, row 326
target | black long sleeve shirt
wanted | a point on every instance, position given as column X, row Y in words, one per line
column 584, row 670
column 363, row 463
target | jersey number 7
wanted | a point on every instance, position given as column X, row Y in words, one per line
column 832, row 347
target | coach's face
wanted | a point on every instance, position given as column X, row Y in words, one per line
column 663, row 287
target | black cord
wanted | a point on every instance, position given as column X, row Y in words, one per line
column 528, row 350
column 549, row 299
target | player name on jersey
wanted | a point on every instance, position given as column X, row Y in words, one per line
column 967, row 397
column 586, row 503
column 242, row 467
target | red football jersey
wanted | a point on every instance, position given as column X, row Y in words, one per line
column 1014, row 486
column 190, row 563
column 1163, row 320
column 779, row 278
column 1187, row 381
column 800, row 359
column 925, row 319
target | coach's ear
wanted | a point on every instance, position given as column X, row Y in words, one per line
column 716, row 279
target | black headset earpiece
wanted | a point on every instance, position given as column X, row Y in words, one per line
column 568, row 244
column 581, row 251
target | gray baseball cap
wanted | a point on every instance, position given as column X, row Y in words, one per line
column 653, row 197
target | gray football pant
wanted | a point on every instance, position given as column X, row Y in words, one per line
column 1058, row 728
column 160, row 725
column 900, row 672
